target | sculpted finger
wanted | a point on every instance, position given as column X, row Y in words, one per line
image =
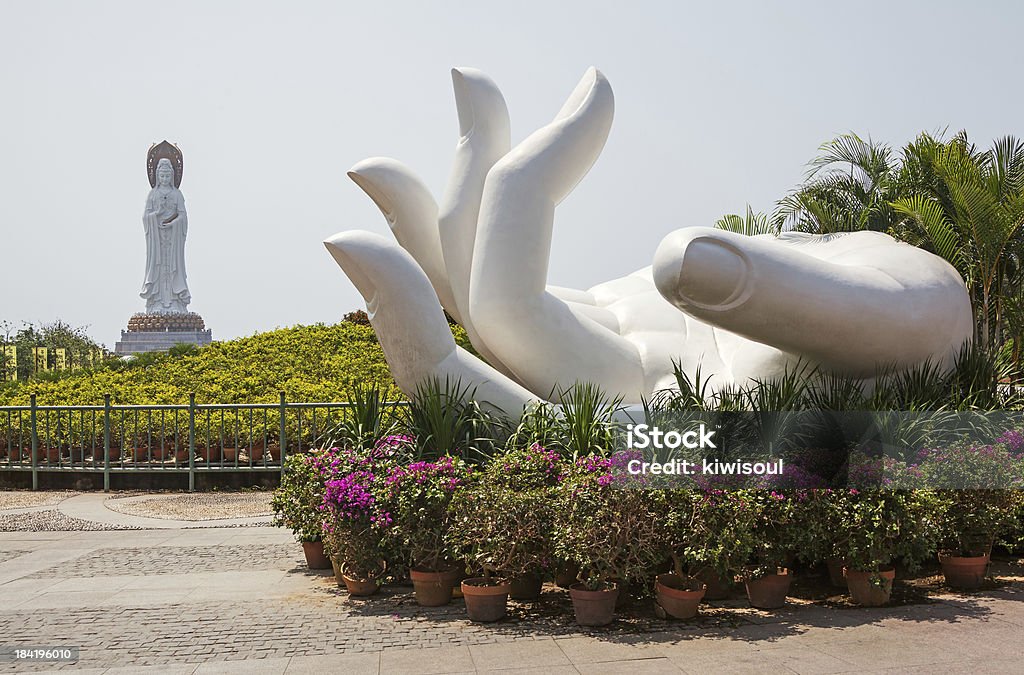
column 409, row 324
column 411, row 213
column 484, row 138
column 545, row 341
column 840, row 302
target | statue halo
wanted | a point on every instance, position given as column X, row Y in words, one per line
column 168, row 151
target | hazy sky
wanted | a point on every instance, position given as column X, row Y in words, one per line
column 718, row 104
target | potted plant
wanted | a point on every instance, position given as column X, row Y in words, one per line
column 613, row 532
column 708, row 534
column 353, row 528
column 506, row 533
column 777, row 524
column 885, row 516
column 417, row 496
column 882, row 526
column 510, row 506
column 975, row 490
column 296, row 502
column 822, row 540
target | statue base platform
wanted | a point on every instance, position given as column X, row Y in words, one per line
column 160, row 332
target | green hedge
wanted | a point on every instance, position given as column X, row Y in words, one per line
column 308, row 363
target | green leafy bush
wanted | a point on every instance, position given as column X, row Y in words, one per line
column 502, row 519
column 611, row 531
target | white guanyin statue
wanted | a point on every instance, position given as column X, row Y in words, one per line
column 738, row 307
column 165, row 288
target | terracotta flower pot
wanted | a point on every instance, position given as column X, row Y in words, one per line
column 140, row 455
column 677, row 596
column 718, row 587
column 835, row 572
column 181, row 456
column 77, row 455
column 256, row 452
column 593, row 608
column 432, row 589
column 210, row 455
column 356, row 585
column 526, row 587
column 230, row 454
column 486, row 599
column 275, row 452
column 769, row 591
column 567, row 575
column 964, row 572
column 50, row 455
column 865, row 593
column 315, row 558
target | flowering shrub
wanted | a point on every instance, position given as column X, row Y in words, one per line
column 882, row 526
column 526, row 468
column 417, row 497
column 975, row 493
column 613, row 532
column 708, row 531
column 777, row 528
column 501, row 530
column 296, row 503
column 353, row 523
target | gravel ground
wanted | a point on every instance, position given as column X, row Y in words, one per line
column 51, row 521
column 25, row 500
column 196, row 506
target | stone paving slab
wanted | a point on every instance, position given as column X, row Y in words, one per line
column 177, row 560
column 228, row 600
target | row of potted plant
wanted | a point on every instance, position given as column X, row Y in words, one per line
column 144, row 450
column 528, row 513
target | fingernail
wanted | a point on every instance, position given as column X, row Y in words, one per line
column 712, row 273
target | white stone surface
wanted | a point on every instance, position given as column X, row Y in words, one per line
column 165, row 287
column 738, row 307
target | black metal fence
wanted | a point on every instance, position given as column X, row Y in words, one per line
column 192, row 438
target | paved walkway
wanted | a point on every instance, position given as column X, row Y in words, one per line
column 240, row 599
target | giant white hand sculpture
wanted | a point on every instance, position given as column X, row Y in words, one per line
column 740, row 307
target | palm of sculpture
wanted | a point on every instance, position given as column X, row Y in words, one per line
column 740, row 307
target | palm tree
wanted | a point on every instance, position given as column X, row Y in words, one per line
column 751, row 225
column 968, row 207
column 849, row 187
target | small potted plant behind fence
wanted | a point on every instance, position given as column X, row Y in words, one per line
column 609, row 525
column 975, row 487
column 417, row 496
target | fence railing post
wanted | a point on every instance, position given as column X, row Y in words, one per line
column 284, row 435
column 35, row 441
column 106, row 442
column 191, row 442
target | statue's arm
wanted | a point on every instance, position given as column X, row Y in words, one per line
column 182, row 217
